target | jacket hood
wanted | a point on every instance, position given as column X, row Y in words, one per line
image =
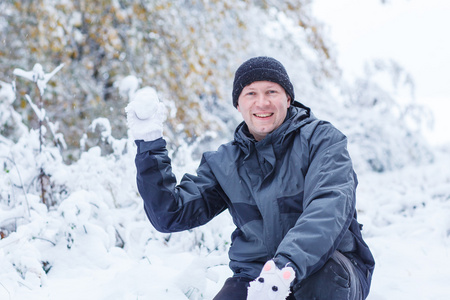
column 297, row 116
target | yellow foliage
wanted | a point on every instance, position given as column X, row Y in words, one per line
column 186, row 51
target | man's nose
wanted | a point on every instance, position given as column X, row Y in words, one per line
column 262, row 99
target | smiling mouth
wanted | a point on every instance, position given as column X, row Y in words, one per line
column 263, row 115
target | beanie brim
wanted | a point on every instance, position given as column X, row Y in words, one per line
column 261, row 69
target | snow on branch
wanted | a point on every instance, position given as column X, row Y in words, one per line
column 40, row 113
column 37, row 75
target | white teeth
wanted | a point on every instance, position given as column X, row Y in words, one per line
column 263, row 115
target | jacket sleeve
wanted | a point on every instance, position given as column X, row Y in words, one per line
column 328, row 203
column 171, row 207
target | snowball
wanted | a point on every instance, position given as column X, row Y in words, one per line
column 128, row 86
column 145, row 102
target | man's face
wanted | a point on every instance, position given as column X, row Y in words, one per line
column 263, row 105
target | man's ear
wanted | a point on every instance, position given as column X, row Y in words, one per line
column 237, row 106
column 289, row 100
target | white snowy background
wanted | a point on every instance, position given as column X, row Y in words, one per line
column 97, row 243
column 414, row 33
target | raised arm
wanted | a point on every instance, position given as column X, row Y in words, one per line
column 169, row 207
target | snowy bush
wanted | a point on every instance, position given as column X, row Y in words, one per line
column 384, row 123
column 96, row 214
column 11, row 125
column 379, row 116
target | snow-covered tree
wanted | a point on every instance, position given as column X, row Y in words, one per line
column 187, row 49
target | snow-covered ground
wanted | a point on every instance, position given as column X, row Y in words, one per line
column 407, row 225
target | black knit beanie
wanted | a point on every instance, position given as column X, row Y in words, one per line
column 261, row 68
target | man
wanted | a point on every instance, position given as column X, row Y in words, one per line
column 287, row 181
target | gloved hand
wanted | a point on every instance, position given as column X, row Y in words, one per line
column 272, row 283
column 145, row 115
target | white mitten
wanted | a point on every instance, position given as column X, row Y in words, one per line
column 145, row 115
column 272, row 283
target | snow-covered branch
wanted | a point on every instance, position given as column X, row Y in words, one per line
column 37, row 75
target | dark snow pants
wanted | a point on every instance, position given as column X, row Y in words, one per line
column 336, row 280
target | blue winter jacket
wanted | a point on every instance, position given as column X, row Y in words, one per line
column 291, row 196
